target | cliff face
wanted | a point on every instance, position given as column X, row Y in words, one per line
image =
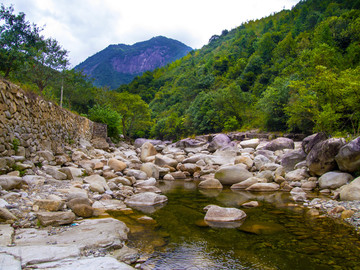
column 119, row 64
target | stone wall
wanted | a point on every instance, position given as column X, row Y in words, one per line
column 35, row 124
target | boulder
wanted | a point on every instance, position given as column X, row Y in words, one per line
column 221, row 214
column 146, row 199
column 280, row 144
column 168, row 177
column 6, row 215
column 252, row 143
column 296, row 175
column 298, row 194
column 116, row 165
column 263, row 187
column 244, row 160
column 348, row 158
column 147, row 150
column 55, row 218
column 309, row 142
column 8, row 182
column 248, row 182
column 260, row 161
column 46, row 155
column 351, row 192
column 334, row 180
column 189, row 167
column 97, row 183
column 143, row 183
column 219, row 141
column 190, row 143
column 49, row 205
column 321, row 158
column 162, row 161
column 232, row 174
column 139, row 175
column 140, row 141
column 195, row 158
column 290, row 159
column 211, row 183
column 71, row 203
column 178, row 175
column 150, row 169
column 83, row 210
column 74, row 192
column 71, row 172
column 100, row 143
column 54, row 172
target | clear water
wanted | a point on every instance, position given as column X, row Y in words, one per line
column 276, row 235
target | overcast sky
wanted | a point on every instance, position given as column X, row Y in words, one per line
column 84, row 27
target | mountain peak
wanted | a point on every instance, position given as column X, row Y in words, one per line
column 119, row 63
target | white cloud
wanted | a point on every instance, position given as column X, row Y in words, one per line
column 85, row 27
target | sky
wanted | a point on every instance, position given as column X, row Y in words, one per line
column 85, row 27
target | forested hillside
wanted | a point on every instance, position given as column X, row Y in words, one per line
column 120, row 64
column 294, row 71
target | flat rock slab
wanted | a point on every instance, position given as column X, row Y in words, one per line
column 90, row 233
column 9, row 262
column 91, row 263
column 30, row 255
column 6, row 232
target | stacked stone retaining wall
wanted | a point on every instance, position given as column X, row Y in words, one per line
column 28, row 123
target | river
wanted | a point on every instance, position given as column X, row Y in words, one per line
column 279, row 234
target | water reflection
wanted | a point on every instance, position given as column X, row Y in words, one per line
column 276, row 235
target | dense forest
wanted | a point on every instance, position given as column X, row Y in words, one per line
column 294, row 71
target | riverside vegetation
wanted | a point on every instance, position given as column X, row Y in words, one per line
column 296, row 70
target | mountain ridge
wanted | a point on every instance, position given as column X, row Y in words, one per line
column 118, row 64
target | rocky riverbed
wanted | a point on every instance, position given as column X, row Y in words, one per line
column 53, row 206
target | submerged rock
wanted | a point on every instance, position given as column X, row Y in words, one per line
column 261, row 187
column 146, row 199
column 221, row 214
column 210, row 184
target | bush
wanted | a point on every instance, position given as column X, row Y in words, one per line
column 103, row 114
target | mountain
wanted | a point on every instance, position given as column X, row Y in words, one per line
column 296, row 70
column 119, row 64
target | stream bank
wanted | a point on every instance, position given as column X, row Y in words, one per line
column 49, row 195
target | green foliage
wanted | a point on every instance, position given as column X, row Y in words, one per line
column 289, row 71
column 15, row 144
column 134, row 112
column 295, row 71
column 105, row 115
column 17, row 39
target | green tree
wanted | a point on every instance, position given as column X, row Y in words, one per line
column 17, row 38
column 134, row 112
column 47, row 62
column 272, row 104
column 105, row 115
